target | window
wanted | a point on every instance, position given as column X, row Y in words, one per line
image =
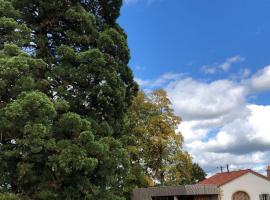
column 264, row 197
column 240, row 195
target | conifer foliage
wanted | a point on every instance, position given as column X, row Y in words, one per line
column 65, row 86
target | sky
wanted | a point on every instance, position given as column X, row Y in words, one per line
column 213, row 59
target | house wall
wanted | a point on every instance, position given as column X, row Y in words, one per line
column 251, row 184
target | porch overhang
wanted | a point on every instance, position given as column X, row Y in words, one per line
column 187, row 190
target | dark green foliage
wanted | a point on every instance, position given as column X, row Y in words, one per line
column 86, row 52
column 65, row 87
column 7, row 196
column 93, row 84
column 19, row 72
column 198, row 174
column 10, row 29
column 55, row 156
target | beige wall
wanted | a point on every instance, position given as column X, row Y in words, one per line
column 249, row 183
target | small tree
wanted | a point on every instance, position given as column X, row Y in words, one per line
column 198, row 174
column 156, row 146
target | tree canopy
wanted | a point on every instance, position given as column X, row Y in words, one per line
column 65, row 86
column 155, row 144
column 72, row 125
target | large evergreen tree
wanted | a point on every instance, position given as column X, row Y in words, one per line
column 65, row 86
column 86, row 53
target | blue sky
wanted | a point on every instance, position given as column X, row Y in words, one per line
column 212, row 57
column 182, row 35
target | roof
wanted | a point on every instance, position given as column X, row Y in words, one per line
column 148, row 193
column 225, row 177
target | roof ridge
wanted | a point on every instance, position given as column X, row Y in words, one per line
column 222, row 178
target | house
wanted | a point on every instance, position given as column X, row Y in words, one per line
column 241, row 185
column 188, row 192
column 235, row 185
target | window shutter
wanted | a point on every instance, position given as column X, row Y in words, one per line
column 264, row 196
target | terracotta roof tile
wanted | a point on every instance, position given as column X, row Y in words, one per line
column 223, row 178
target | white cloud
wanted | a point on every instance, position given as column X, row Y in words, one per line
column 139, row 68
column 246, row 134
column 220, row 127
column 131, row 2
column 261, row 80
column 225, row 66
column 190, row 133
column 209, row 70
column 195, row 100
column 242, row 129
column 159, row 82
column 256, row 160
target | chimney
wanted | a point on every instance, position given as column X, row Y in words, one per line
column 268, row 171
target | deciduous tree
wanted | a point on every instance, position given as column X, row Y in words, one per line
column 156, row 145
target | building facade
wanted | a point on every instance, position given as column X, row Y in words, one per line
column 241, row 185
column 235, row 185
column 188, row 192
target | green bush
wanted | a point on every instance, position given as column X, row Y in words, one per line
column 8, row 196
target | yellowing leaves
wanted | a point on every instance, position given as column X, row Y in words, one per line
column 158, row 144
